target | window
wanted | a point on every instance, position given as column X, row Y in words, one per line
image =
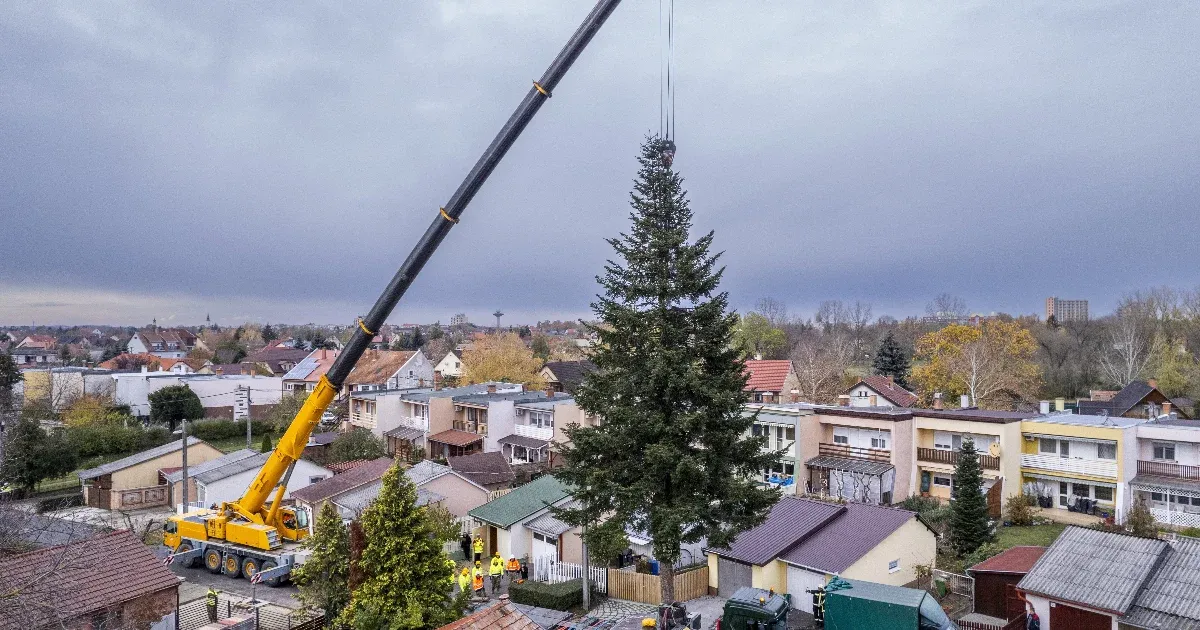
column 893, row 566
column 941, row 481
column 1064, row 448
column 790, row 433
column 756, row 429
column 1103, row 493
column 1047, row 446
column 1196, row 501
column 758, row 397
column 1106, row 451
column 1156, row 496
column 862, row 393
column 841, row 439
column 1164, row 452
column 778, row 437
column 956, row 442
column 315, row 478
column 879, row 443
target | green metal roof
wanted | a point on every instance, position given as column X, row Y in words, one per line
column 522, row 502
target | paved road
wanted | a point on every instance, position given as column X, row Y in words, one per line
column 198, row 581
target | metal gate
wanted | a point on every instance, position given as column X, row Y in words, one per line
column 732, row 575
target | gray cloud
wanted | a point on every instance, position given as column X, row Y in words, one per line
column 193, row 157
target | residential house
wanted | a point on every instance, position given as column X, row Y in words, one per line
column 222, row 395
column 135, row 481
column 1139, row 399
column 305, row 376
column 30, row 342
column 167, row 343
column 996, row 435
column 450, row 366
column 317, row 448
column 565, row 376
column 61, row 386
column 490, row 470
column 476, row 421
column 460, row 493
column 772, row 381
column 779, row 424
column 1078, row 463
column 858, row 454
column 226, row 478
column 501, row 614
column 335, row 489
column 402, row 417
column 879, row 391
column 1090, row 579
column 35, row 357
column 804, row 542
column 567, row 413
column 520, row 523
column 389, row 369
column 996, row 581
column 273, row 360
column 1168, row 470
column 74, row 586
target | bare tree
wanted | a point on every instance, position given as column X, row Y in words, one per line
column 1132, row 343
column 774, row 310
column 947, row 306
column 832, row 314
column 821, row 361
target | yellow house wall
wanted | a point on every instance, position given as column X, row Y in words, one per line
column 572, row 546
column 771, row 576
column 441, row 414
column 913, row 544
column 1011, row 444
column 903, row 455
column 1113, row 434
column 713, row 583
column 146, row 473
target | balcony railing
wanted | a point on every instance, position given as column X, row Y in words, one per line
column 1079, row 466
column 854, row 452
column 537, row 433
column 1167, row 469
column 415, row 422
column 943, row 456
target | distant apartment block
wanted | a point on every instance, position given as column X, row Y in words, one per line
column 459, row 319
column 1067, row 310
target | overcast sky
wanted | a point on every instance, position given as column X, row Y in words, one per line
column 277, row 162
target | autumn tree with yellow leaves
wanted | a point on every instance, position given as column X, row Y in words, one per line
column 503, row 358
column 990, row 363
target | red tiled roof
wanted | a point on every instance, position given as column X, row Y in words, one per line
column 767, row 375
column 377, row 366
column 349, row 480
column 454, row 437
column 341, row 467
column 897, row 395
column 499, row 616
column 1014, row 560
column 61, row 583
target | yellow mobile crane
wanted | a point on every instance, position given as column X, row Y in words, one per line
column 254, row 537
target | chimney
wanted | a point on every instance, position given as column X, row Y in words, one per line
column 219, row 370
column 1044, row 407
column 937, row 400
column 491, row 389
column 549, row 391
column 1060, row 404
column 891, row 380
column 1166, row 408
column 964, row 401
column 1153, row 382
column 844, row 400
column 145, row 369
column 873, row 400
column 437, row 381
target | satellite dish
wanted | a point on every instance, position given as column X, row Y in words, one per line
column 994, row 449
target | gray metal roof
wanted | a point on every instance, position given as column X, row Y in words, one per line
column 1102, row 570
column 523, row 440
column 212, row 464
column 1152, row 481
column 545, row 618
column 138, row 458
column 425, row 471
column 549, row 525
column 405, row 433
column 1171, row 598
column 849, row 464
column 358, row 499
column 480, row 388
column 1075, row 419
column 228, row 469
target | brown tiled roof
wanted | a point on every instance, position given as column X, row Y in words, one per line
column 337, row 484
column 499, row 616
column 274, row 356
column 454, row 437
column 58, row 584
column 885, row 387
column 767, row 375
column 484, row 469
column 377, row 366
column 341, row 467
column 150, row 359
column 1013, row 560
column 570, row 373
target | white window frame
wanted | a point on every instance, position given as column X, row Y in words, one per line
column 949, row 481
column 893, row 566
column 1164, row 447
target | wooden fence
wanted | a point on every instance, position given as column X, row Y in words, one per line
column 647, row 589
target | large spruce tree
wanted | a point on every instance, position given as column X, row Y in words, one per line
column 892, row 360
column 671, row 455
column 322, row 579
column 969, row 528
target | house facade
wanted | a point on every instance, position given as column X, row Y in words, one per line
column 565, row 376
column 226, row 478
column 780, row 425
column 389, row 369
column 858, row 454
column 520, row 523
column 137, row 481
column 306, row 374
column 451, row 365
column 1167, row 477
column 997, row 439
column 879, row 391
column 770, row 381
column 167, row 343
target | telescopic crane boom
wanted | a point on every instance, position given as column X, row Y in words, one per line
column 248, row 521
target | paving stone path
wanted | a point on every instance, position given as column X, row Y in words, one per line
column 618, row 609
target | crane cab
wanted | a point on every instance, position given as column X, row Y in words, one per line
column 293, row 524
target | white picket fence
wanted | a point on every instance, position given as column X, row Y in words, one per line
column 547, row 569
column 466, row 525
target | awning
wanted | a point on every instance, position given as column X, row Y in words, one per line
column 1069, row 480
column 1163, row 484
column 454, row 437
column 849, row 464
column 547, row 525
column 524, row 440
column 405, row 433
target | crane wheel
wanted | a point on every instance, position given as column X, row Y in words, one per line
column 233, row 566
column 212, row 561
column 183, row 548
column 249, row 567
column 267, row 565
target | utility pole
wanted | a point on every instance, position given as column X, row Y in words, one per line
column 248, row 416
column 183, row 423
column 587, row 595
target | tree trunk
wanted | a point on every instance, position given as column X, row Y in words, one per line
column 666, row 573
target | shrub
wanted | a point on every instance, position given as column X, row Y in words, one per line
column 219, row 429
column 983, row 552
column 59, row 503
column 1192, row 532
column 920, row 504
column 113, row 439
column 1017, row 510
column 561, row 596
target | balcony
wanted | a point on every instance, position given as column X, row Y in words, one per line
column 1168, row 469
column 943, row 456
column 854, row 452
column 537, row 433
column 1078, row 466
column 415, row 422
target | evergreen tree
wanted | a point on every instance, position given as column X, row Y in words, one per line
column 671, row 457
column 269, row 334
column 435, row 331
column 10, row 375
column 265, row 447
column 171, row 404
column 322, row 579
column 969, row 528
column 404, row 581
column 891, row 360
column 31, row 454
column 416, row 340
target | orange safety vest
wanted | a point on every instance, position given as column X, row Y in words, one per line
column 477, row 583
column 514, row 564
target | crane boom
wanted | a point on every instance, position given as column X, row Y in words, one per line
column 291, row 445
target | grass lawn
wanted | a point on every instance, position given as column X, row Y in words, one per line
column 66, row 482
column 1036, row 535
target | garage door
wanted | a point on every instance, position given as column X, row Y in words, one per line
column 1064, row 616
column 800, row 580
column 731, row 575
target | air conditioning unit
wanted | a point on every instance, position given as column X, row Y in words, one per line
column 1030, row 438
column 482, row 429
